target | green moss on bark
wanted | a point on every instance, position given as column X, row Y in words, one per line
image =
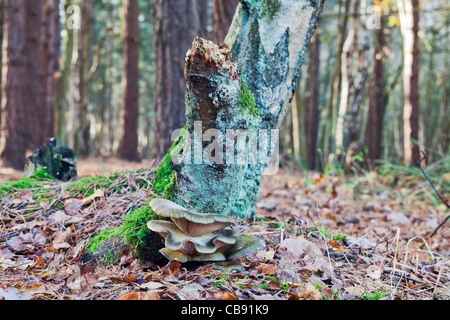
column 144, row 243
column 270, row 8
column 247, row 100
column 101, row 237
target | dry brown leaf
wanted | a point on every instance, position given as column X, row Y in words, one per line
column 171, row 268
column 129, row 296
column 97, row 194
column 151, row 285
column 267, row 268
column 73, row 206
column 224, row 295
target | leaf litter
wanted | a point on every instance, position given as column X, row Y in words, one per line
column 327, row 237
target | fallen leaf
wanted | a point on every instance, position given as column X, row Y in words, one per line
column 129, row 296
column 73, row 206
column 62, row 237
column 171, row 268
column 359, row 242
column 125, row 279
column 150, row 295
column 374, row 272
column 13, row 294
column 298, row 248
column 224, row 295
column 312, row 292
column 398, row 218
column 189, row 292
column 97, row 194
column 354, row 290
column 267, row 268
column 151, row 285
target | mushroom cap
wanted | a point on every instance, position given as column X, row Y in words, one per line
column 177, row 240
column 182, row 257
column 245, row 244
column 192, row 223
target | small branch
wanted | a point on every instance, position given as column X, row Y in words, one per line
column 401, row 276
column 437, row 192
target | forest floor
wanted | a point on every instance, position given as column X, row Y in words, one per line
column 331, row 237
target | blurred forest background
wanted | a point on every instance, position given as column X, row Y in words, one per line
column 106, row 78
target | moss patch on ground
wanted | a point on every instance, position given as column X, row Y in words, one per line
column 36, row 181
column 144, row 242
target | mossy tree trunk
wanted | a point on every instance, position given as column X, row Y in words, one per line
column 268, row 41
column 236, row 99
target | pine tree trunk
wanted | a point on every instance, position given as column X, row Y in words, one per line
column 128, row 147
column 312, row 102
column 222, row 15
column 34, row 11
column 175, row 24
column 377, row 98
column 50, row 58
column 409, row 23
column 13, row 132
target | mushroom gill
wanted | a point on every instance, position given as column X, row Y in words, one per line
column 199, row 236
column 192, row 223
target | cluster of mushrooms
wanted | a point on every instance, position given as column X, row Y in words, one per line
column 195, row 236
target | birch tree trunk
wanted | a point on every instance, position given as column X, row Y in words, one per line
column 268, row 40
column 354, row 70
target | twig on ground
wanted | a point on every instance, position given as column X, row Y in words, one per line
column 437, row 192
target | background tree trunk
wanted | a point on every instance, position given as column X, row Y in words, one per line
column 34, row 27
column 50, row 65
column 329, row 128
column 312, row 102
column 128, row 147
column 78, row 125
column 409, row 23
column 377, row 98
column 222, row 15
column 175, row 25
column 354, row 70
column 13, row 132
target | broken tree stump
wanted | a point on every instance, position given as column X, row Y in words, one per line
column 59, row 162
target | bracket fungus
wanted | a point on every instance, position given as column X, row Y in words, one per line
column 193, row 236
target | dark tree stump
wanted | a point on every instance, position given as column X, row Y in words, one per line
column 60, row 162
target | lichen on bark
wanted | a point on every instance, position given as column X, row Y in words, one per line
column 269, row 40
